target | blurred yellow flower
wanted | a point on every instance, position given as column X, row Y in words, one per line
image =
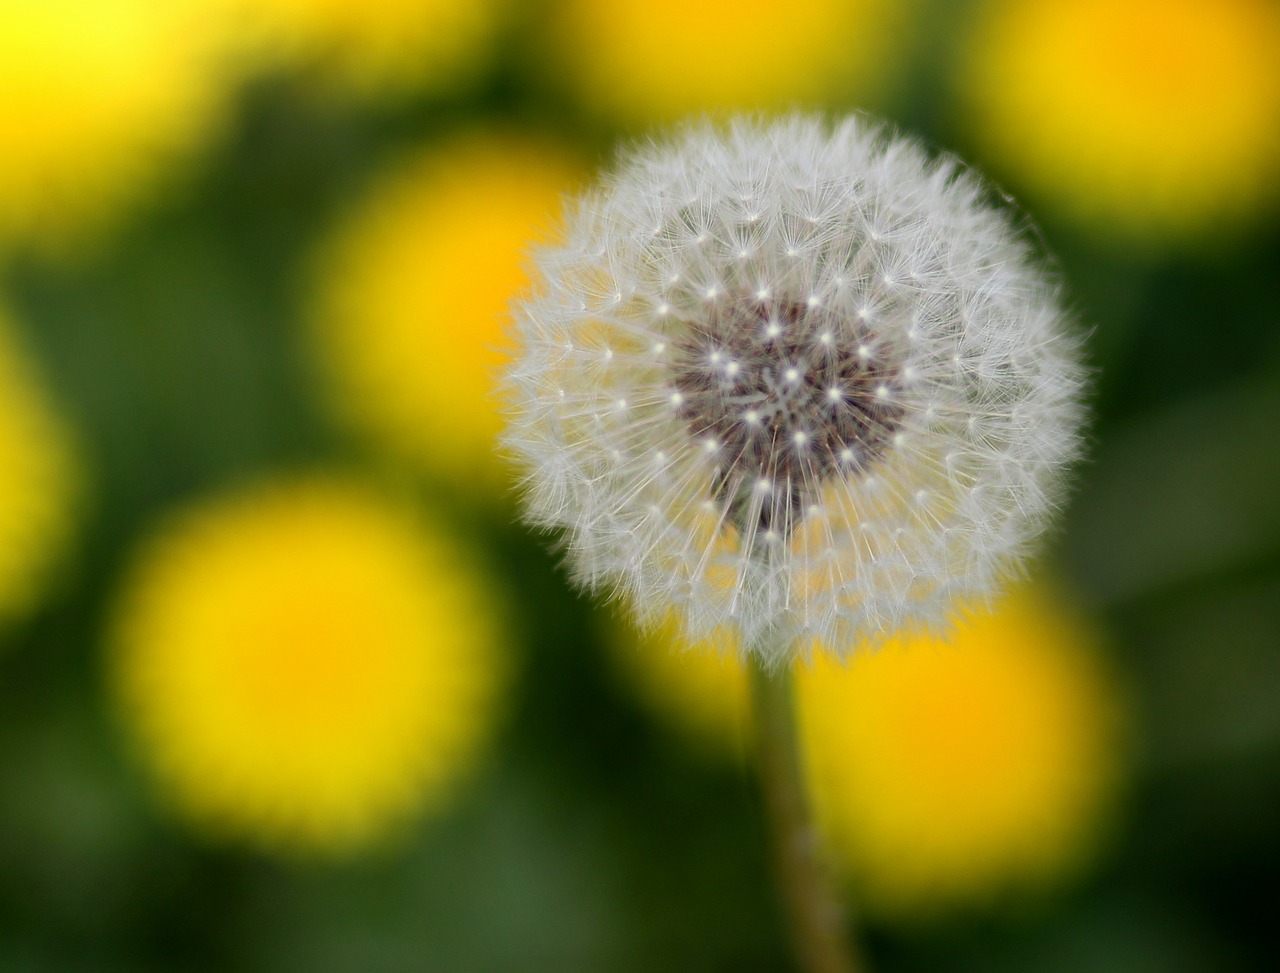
column 305, row 665
column 409, row 315
column 944, row 772
column 941, row 773
column 39, row 480
column 370, row 47
column 1150, row 117
column 97, row 97
column 661, row 59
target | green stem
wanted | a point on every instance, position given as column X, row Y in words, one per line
column 817, row 924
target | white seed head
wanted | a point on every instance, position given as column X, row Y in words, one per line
column 868, row 422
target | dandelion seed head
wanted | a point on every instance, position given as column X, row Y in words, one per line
column 866, row 423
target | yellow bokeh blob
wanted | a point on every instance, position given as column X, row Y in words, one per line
column 371, row 47
column 39, row 481
column 97, row 98
column 409, row 313
column 645, row 60
column 947, row 771
column 1148, row 117
column 942, row 773
column 305, row 665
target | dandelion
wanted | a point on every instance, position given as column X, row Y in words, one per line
column 1147, row 119
column 793, row 383
column 1010, row 725
column 305, row 665
column 409, row 293
column 643, row 59
column 97, row 97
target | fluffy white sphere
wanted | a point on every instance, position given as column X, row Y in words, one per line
column 792, row 382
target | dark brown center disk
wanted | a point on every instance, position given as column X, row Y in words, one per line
column 787, row 396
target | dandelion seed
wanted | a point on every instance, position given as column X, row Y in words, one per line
column 844, row 402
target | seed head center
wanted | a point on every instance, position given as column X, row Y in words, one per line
column 792, row 395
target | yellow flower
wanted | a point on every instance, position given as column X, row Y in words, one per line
column 946, row 771
column 1153, row 117
column 941, row 773
column 305, row 665
column 410, row 311
column 661, row 59
column 39, row 481
column 96, row 98
column 368, row 47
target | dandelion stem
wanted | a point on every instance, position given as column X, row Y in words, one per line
column 818, row 925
